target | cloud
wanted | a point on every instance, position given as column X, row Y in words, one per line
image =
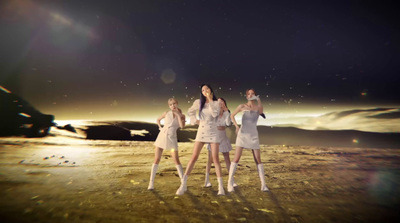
column 369, row 120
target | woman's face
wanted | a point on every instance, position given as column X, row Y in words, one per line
column 173, row 105
column 250, row 93
column 221, row 104
column 205, row 91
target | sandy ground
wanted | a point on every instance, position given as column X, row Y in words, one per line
column 58, row 179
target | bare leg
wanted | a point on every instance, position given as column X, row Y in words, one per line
column 238, row 154
column 255, row 159
column 257, row 156
column 175, row 156
column 227, row 160
column 260, row 167
column 228, row 165
column 158, row 152
column 196, row 152
column 215, row 155
column 208, row 167
column 232, row 169
column 157, row 155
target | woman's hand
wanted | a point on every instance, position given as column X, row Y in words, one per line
column 210, row 96
column 176, row 112
column 237, row 130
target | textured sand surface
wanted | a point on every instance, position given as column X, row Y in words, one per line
column 60, row 179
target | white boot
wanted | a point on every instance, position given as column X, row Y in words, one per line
column 234, row 184
column 262, row 177
column 180, row 171
column 232, row 170
column 233, row 180
column 183, row 188
column 152, row 176
column 221, row 190
column 207, row 181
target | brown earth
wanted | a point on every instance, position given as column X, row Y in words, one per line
column 58, row 179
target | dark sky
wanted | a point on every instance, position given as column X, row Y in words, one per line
column 124, row 59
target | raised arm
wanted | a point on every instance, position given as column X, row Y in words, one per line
column 214, row 108
column 228, row 121
column 260, row 106
column 181, row 117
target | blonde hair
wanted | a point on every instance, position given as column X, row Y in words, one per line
column 172, row 99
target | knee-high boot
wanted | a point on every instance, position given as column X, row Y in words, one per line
column 232, row 171
column 180, row 171
column 152, row 176
column 262, row 177
column 183, row 188
column 207, row 180
column 221, row 190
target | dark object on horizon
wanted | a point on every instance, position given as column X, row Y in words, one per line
column 108, row 132
column 67, row 127
column 18, row 117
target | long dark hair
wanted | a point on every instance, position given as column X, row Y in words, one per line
column 203, row 99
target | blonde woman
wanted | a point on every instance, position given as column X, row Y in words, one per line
column 167, row 138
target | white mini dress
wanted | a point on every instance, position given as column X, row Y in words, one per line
column 225, row 144
column 248, row 135
column 207, row 131
column 167, row 137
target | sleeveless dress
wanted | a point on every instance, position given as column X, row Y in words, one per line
column 167, row 137
column 225, row 143
column 248, row 135
column 207, row 131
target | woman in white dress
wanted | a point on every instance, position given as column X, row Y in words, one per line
column 207, row 132
column 247, row 136
column 224, row 120
column 167, row 138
